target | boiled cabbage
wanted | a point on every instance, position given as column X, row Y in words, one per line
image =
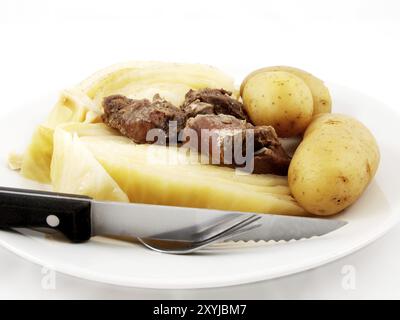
column 82, row 104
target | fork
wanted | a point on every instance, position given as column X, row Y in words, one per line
column 214, row 233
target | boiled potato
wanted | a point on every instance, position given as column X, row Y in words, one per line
column 279, row 99
column 321, row 97
column 333, row 164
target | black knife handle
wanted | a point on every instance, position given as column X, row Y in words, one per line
column 68, row 213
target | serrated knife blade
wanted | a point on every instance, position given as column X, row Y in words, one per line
column 158, row 222
column 287, row 228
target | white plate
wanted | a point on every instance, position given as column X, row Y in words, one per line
column 228, row 264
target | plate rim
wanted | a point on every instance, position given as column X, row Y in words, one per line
column 218, row 282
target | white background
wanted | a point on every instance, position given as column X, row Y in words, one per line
column 49, row 45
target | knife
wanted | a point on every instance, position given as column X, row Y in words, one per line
column 80, row 217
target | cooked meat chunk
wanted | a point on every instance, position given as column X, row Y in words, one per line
column 197, row 107
column 217, row 122
column 269, row 156
column 227, row 140
column 212, row 101
column 213, row 135
column 134, row 118
column 215, row 126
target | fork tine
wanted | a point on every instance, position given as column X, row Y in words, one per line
column 235, row 228
column 227, row 236
column 238, row 231
column 200, row 233
column 185, row 247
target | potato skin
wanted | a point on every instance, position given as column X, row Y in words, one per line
column 333, row 165
column 279, row 99
column 321, row 96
